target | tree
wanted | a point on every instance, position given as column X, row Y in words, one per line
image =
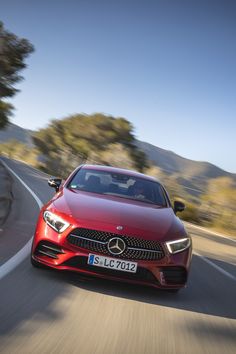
column 116, row 155
column 13, row 52
column 67, row 142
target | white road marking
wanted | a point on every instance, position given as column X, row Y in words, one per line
column 221, row 270
column 14, row 261
column 38, row 201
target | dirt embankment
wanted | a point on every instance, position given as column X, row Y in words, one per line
column 5, row 193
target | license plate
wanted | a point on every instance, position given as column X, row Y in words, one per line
column 112, row 263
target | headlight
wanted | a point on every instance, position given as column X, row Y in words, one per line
column 55, row 221
column 178, row 245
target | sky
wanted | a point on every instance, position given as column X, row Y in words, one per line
column 168, row 66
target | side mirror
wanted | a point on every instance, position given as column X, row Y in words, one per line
column 55, row 183
column 178, row 206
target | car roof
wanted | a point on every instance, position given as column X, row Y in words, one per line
column 119, row 170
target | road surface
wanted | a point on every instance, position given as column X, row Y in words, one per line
column 44, row 311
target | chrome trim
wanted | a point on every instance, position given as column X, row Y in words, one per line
column 143, row 249
column 46, row 254
column 89, row 239
column 53, row 249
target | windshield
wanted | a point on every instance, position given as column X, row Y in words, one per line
column 120, row 185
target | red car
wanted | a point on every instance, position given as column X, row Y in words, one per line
column 116, row 224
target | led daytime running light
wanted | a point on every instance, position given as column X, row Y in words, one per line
column 55, row 222
column 178, row 245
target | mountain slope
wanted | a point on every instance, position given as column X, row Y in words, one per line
column 14, row 132
column 172, row 163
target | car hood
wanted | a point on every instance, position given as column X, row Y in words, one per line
column 105, row 213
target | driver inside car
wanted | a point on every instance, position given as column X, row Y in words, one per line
column 138, row 190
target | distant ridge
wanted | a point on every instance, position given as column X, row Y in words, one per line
column 172, row 163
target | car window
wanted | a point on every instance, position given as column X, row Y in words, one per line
column 119, row 184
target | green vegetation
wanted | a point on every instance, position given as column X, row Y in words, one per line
column 19, row 151
column 214, row 208
column 13, row 52
column 218, row 205
column 93, row 138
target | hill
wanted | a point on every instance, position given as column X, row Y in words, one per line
column 14, row 132
column 172, row 163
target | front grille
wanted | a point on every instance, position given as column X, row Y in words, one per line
column 96, row 241
column 49, row 249
column 174, row 275
column 142, row 274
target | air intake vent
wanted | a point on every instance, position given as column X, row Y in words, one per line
column 175, row 275
column 48, row 249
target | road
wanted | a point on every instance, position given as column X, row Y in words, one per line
column 44, row 311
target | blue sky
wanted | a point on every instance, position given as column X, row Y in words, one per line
column 167, row 66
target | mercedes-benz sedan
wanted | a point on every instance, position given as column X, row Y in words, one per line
column 116, row 224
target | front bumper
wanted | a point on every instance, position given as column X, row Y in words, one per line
column 55, row 251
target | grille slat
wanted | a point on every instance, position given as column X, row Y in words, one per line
column 136, row 248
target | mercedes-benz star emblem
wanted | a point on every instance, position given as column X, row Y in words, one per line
column 116, row 246
column 119, row 227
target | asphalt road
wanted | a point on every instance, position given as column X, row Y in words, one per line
column 44, row 311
